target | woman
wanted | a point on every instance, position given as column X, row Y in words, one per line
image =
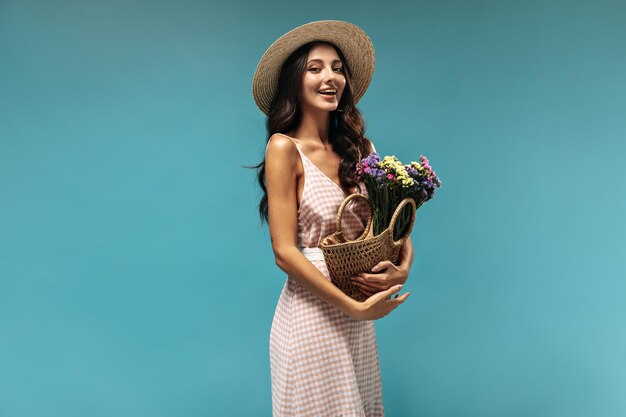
column 323, row 352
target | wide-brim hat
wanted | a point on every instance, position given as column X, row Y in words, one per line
column 353, row 42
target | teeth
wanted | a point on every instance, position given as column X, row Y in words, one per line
column 328, row 91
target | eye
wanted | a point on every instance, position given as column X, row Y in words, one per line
column 317, row 69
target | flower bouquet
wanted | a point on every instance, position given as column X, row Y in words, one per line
column 388, row 182
column 391, row 187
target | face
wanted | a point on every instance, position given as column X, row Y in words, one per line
column 324, row 71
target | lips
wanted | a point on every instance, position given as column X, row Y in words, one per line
column 327, row 96
column 327, row 92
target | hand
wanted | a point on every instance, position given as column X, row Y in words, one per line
column 389, row 275
column 378, row 305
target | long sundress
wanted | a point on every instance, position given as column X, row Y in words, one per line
column 323, row 362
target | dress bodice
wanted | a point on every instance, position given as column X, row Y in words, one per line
column 321, row 198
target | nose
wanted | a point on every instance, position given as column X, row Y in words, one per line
column 332, row 79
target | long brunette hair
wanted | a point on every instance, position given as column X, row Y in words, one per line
column 346, row 130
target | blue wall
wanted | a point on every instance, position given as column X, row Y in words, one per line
column 136, row 279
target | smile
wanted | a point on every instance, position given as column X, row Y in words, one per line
column 328, row 95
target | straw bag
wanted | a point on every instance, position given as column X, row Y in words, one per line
column 345, row 258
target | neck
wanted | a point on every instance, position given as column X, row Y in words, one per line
column 314, row 126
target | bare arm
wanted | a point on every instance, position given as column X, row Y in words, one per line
column 281, row 181
column 373, row 149
column 406, row 256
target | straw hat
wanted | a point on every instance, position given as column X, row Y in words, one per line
column 349, row 38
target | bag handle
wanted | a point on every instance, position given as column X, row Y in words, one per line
column 396, row 213
column 370, row 218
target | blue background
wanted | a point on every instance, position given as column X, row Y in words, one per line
column 136, row 279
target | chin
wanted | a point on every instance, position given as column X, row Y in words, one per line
column 328, row 107
column 325, row 108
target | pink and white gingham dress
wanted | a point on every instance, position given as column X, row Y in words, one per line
column 323, row 363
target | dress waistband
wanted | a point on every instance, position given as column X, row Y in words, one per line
column 312, row 254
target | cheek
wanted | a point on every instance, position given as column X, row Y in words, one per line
column 309, row 87
column 309, row 80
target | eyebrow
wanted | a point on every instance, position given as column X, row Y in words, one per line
column 319, row 60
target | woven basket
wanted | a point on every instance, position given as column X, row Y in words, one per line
column 346, row 258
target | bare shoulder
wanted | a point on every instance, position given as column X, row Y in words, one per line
column 281, row 153
column 372, row 147
column 280, row 144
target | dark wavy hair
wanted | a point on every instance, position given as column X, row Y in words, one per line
column 346, row 130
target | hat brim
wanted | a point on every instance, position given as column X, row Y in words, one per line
column 353, row 42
